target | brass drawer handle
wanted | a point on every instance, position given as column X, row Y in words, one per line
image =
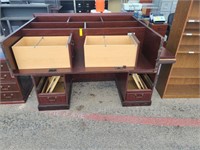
column 7, row 97
column 5, row 88
column 4, row 77
column 139, row 95
column 52, row 99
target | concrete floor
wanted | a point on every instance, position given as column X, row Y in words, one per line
column 97, row 121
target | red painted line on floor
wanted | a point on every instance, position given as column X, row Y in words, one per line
column 182, row 122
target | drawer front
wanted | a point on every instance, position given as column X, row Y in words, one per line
column 11, row 96
column 52, row 100
column 6, row 77
column 139, row 96
column 4, row 66
column 9, row 87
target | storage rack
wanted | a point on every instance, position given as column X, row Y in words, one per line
column 150, row 55
column 182, row 79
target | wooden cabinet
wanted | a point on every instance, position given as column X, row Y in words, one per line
column 13, row 89
column 146, row 53
column 160, row 28
column 184, row 76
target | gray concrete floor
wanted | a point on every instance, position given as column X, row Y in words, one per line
column 97, row 121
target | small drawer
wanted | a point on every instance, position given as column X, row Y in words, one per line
column 6, row 77
column 139, row 96
column 52, row 100
column 11, row 96
column 4, row 66
column 9, row 87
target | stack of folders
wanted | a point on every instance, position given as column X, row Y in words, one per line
column 140, row 82
column 50, row 84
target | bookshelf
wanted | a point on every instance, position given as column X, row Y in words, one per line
column 182, row 79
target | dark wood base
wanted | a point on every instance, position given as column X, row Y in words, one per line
column 13, row 102
column 52, row 107
column 136, row 103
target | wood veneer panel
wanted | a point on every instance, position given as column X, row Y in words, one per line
column 112, row 24
column 149, row 50
column 185, row 73
column 195, row 11
column 55, row 25
column 182, row 91
column 50, row 19
column 192, row 32
column 190, row 40
column 163, row 79
column 184, row 81
column 193, row 25
column 187, row 61
column 189, row 49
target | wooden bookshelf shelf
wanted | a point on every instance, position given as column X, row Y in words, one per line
column 184, row 81
column 189, row 49
column 185, row 73
column 192, row 32
column 183, row 91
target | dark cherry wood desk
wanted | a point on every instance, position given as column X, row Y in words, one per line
column 148, row 62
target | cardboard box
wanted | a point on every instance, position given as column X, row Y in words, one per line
column 111, row 51
column 39, row 52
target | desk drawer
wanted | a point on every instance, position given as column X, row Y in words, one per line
column 52, row 99
column 139, row 96
column 11, row 96
column 4, row 66
column 6, row 77
column 9, row 87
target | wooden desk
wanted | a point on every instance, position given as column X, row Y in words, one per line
column 78, row 26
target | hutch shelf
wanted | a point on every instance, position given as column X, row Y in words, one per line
column 53, row 83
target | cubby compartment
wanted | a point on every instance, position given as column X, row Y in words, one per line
column 110, row 24
column 139, row 87
column 54, row 25
column 85, row 19
column 111, row 51
column 39, row 52
column 50, row 19
column 116, row 18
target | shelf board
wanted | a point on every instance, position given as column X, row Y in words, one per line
column 194, row 19
column 184, row 81
column 192, row 32
column 185, row 73
column 189, row 49
column 182, row 91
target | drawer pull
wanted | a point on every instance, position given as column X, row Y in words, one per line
column 4, row 77
column 5, row 88
column 8, row 96
column 52, row 99
column 1, row 66
column 139, row 95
